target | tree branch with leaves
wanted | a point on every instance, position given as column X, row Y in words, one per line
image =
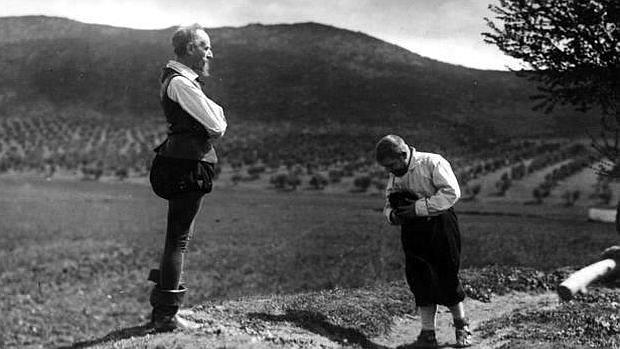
column 571, row 49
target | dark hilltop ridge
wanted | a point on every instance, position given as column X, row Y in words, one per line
column 299, row 73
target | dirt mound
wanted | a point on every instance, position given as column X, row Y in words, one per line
column 357, row 319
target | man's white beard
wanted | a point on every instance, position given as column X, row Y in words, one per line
column 204, row 71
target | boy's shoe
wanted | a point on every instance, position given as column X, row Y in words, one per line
column 426, row 339
column 463, row 333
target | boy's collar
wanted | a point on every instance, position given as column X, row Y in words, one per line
column 412, row 152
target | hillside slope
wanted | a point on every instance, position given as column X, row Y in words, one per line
column 303, row 73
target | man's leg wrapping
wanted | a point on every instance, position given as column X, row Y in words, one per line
column 181, row 216
column 168, row 294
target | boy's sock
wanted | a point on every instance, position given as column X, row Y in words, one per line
column 462, row 331
column 458, row 313
column 428, row 315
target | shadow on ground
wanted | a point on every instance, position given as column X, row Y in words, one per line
column 120, row 334
column 413, row 346
column 317, row 323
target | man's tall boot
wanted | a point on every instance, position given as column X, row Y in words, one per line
column 166, row 304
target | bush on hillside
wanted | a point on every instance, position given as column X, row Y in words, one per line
column 570, row 197
column 602, row 191
column 541, row 192
column 362, row 183
column 236, row 178
column 335, row 176
column 255, row 171
column 285, row 181
column 121, row 173
column 318, row 181
column 471, row 191
column 379, row 183
column 503, row 184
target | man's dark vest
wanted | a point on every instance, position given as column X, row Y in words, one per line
column 187, row 138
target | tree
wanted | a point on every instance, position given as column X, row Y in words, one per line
column 362, row 183
column 318, row 181
column 571, row 49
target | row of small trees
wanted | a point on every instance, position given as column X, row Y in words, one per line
column 548, row 158
column 48, row 145
column 510, row 153
column 85, row 146
column 552, row 179
column 551, row 155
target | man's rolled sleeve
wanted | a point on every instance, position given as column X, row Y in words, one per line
column 191, row 98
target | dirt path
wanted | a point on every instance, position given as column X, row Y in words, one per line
column 406, row 329
column 249, row 324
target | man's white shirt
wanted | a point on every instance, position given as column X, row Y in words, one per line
column 186, row 91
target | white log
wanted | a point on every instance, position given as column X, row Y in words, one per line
column 579, row 280
column 599, row 214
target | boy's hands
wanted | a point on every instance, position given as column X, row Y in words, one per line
column 403, row 206
column 404, row 213
column 394, row 219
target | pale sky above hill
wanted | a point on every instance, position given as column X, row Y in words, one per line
column 446, row 30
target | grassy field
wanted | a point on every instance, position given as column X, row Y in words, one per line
column 74, row 255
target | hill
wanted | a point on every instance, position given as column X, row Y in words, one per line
column 301, row 73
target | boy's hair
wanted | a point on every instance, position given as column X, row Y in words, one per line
column 389, row 146
column 183, row 36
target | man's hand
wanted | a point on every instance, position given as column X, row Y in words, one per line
column 405, row 213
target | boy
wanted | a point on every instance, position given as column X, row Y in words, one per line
column 420, row 193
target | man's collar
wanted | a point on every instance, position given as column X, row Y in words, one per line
column 182, row 69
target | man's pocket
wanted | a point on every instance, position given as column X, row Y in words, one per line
column 171, row 177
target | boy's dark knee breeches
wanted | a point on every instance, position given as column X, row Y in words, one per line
column 432, row 257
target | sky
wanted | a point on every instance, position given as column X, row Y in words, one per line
column 445, row 30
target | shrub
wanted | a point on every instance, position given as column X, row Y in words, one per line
column 335, row 176
column 518, row 171
column 121, row 173
column 475, row 189
column 362, row 183
column 503, row 185
column 285, row 181
column 255, row 171
column 470, row 191
column 236, row 178
column 293, row 181
column 92, row 172
column 379, row 183
column 218, row 171
column 570, row 197
column 540, row 193
column 318, row 181
column 279, row 180
column 605, row 195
